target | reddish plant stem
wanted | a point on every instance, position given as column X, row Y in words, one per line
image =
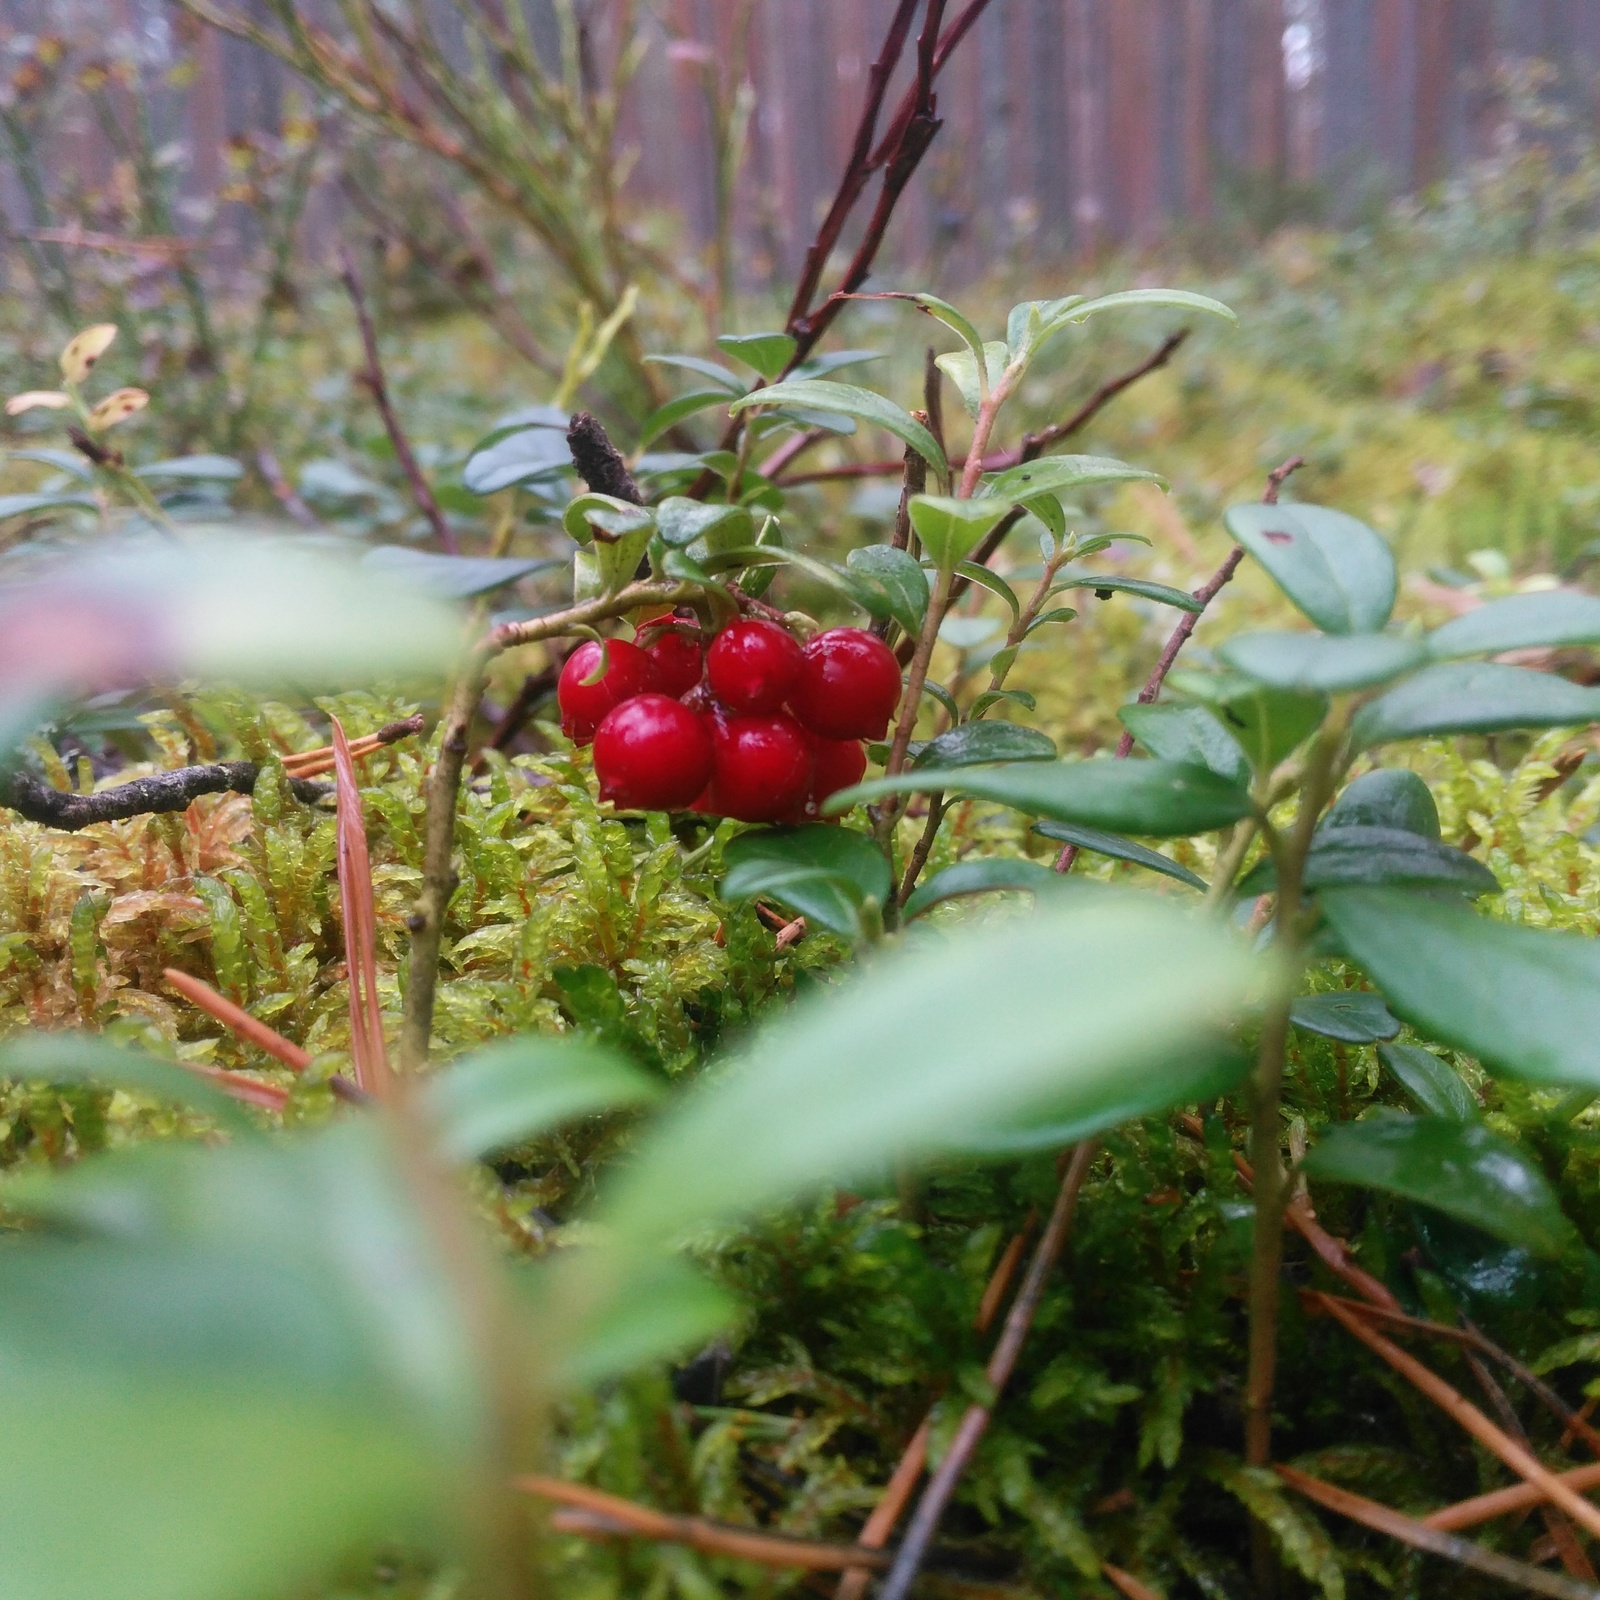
column 421, row 494
column 1205, row 594
column 1019, row 1321
column 200, row 993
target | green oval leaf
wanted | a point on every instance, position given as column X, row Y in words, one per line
column 725, row 380
column 1351, row 855
column 194, row 469
column 1337, row 570
column 1187, row 733
column 1114, row 845
column 899, row 581
column 1335, row 663
column 974, row 744
column 1436, row 1086
column 1099, row 992
column 767, row 353
column 1172, row 299
column 961, row 368
column 850, row 401
column 1058, row 475
column 1190, row 1079
column 1520, row 622
column 1474, row 697
column 670, row 413
column 1461, row 1168
column 1105, row 586
column 680, row 521
column 509, row 1092
column 824, row 873
column 1352, row 1016
column 993, row 582
column 1524, row 1001
column 25, row 505
column 982, row 877
column 514, row 456
column 950, row 529
column 1388, row 797
column 1267, row 723
column 1159, row 799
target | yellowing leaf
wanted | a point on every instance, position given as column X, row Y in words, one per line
column 117, row 407
column 85, row 349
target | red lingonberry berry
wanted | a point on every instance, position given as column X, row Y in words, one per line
column 763, row 768
column 679, row 660
column 835, row 764
column 848, row 687
column 652, row 753
column 629, row 671
column 752, row 665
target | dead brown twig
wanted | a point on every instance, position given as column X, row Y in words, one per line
column 1435, row 1541
column 1459, row 1408
column 421, row 492
column 1504, row 1502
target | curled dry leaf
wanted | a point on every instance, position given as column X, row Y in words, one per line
column 86, row 348
column 35, row 399
column 117, row 407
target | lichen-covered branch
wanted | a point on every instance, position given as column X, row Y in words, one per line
column 29, row 797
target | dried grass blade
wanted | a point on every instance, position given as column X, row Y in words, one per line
column 369, row 1058
column 1503, row 1502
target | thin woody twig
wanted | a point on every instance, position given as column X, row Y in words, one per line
column 1205, row 594
column 160, row 792
column 1504, row 1502
column 1422, row 1536
column 421, row 493
column 1019, row 1320
column 1459, row 1408
column 283, row 491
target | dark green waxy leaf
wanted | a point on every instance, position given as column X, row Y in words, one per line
column 1058, row 475
column 1187, row 1080
column 512, row 1091
column 516, row 456
column 899, row 580
column 858, row 590
column 1520, row 622
column 1337, row 570
column 767, row 353
column 1474, row 697
column 850, row 401
column 1268, row 723
column 975, row 743
column 1388, row 797
column 451, row 577
column 1524, row 1001
column 833, row 360
column 589, row 514
column 1478, row 1266
column 1335, row 662
column 834, row 422
column 729, row 382
column 1460, row 1168
column 1352, row 1016
column 824, row 873
column 194, row 469
column 1105, row 586
column 1436, row 1087
column 1096, row 993
column 1187, row 733
column 989, row 876
column 1120, row 849
column 1158, row 799
column 951, row 530
column 26, row 505
column 671, row 412
column 680, row 521
column 85, row 1058
column 994, row 697
column 1351, row 856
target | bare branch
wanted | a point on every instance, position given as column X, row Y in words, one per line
column 29, row 797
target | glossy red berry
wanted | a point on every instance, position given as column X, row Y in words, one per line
column 752, row 665
column 679, row 660
column 835, row 764
column 763, row 768
column 848, row 687
column 652, row 753
column 629, row 671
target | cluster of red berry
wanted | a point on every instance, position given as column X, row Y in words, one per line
column 756, row 726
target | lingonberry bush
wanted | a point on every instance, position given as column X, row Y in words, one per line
column 237, row 1361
